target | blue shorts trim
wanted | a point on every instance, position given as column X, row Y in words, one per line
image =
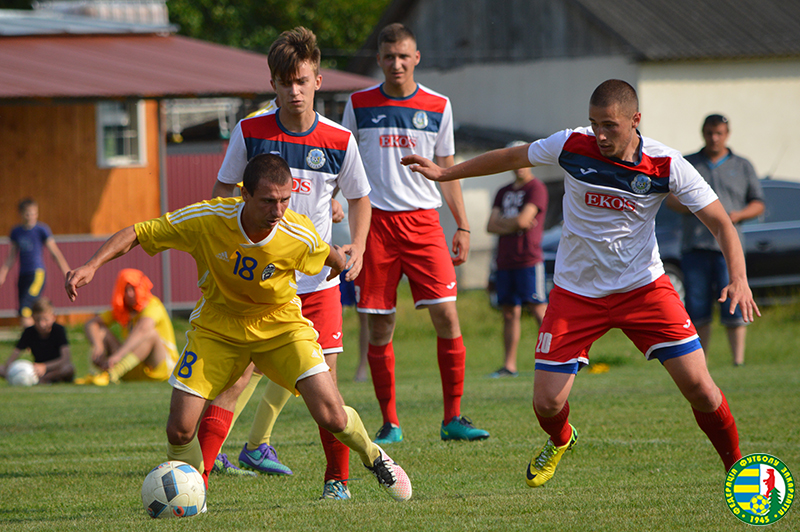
column 675, row 351
column 569, row 367
column 521, row 286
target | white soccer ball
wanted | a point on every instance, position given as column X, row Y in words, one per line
column 174, row 489
column 21, row 373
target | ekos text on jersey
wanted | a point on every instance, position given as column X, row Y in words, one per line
column 397, row 141
column 606, row 201
column 301, row 186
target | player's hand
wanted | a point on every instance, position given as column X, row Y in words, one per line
column 460, row 247
column 40, row 369
column 740, row 294
column 337, row 262
column 337, row 212
column 421, row 165
column 355, row 261
column 76, row 279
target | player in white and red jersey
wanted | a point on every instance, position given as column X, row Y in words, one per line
column 322, row 156
column 396, row 118
column 608, row 270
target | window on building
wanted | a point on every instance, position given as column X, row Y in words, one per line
column 120, row 134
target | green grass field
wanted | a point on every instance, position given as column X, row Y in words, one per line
column 73, row 457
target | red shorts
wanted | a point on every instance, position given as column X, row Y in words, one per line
column 652, row 316
column 410, row 243
column 324, row 309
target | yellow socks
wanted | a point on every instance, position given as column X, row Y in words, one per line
column 269, row 408
column 243, row 399
column 355, row 436
column 189, row 453
column 122, row 367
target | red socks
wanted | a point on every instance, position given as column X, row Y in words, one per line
column 212, row 432
column 337, row 456
column 557, row 427
column 452, row 356
column 381, row 365
column 720, row 427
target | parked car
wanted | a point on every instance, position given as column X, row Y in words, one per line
column 772, row 242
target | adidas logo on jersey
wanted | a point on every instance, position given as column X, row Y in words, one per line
column 223, row 256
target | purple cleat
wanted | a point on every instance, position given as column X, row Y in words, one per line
column 264, row 459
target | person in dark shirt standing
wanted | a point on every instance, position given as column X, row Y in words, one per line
column 518, row 218
column 704, row 269
column 47, row 341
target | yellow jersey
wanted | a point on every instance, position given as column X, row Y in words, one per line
column 155, row 311
column 238, row 276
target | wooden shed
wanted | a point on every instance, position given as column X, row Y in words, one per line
column 83, row 105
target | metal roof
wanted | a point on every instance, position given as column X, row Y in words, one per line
column 707, row 29
column 147, row 65
column 20, row 22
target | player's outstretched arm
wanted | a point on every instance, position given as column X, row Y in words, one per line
column 119, row 244
column 360, row 214
column 492, row 162
column 738, row 291
column 336, row 260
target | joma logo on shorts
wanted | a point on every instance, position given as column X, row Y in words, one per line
column 301, row 186
column 398, row 141
column 604, row 201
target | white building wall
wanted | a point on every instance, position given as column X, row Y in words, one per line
column 760, row 98
column 538, row 97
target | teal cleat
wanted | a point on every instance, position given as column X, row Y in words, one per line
column 223, row 465
column 387, row 434
column 461, row 428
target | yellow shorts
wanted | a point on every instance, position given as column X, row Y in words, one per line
column 283, row 345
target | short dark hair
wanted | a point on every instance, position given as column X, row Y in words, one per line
column 41, row 306
column 24, row 204
column 615, row 91
column 395, row 33
column 266, row 166
column 290, row 50
column 715, row 120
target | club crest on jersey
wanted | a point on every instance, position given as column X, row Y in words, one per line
column 315, row 159
column 420, row 120
column 268, row 271
column 641, row 184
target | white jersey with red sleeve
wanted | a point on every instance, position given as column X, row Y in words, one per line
column 321, row 159
column 387, row 129
column 608, row 242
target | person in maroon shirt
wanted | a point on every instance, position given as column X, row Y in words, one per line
column 518, row 218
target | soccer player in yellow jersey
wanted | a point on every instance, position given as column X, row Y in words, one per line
column 247, row 250
column 147, row 350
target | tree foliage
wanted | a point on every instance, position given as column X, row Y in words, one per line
column 341, row 26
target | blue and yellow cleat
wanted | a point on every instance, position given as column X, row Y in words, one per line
column 335, row 489
column 542, row 467
column 461, row 428
column 387, row 434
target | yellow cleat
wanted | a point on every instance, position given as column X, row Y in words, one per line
column 88, row 379
column 101, row 379
column 542, row 467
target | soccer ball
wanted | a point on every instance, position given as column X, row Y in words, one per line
column 21, row 373
column 759, row 505
column 174, row 489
